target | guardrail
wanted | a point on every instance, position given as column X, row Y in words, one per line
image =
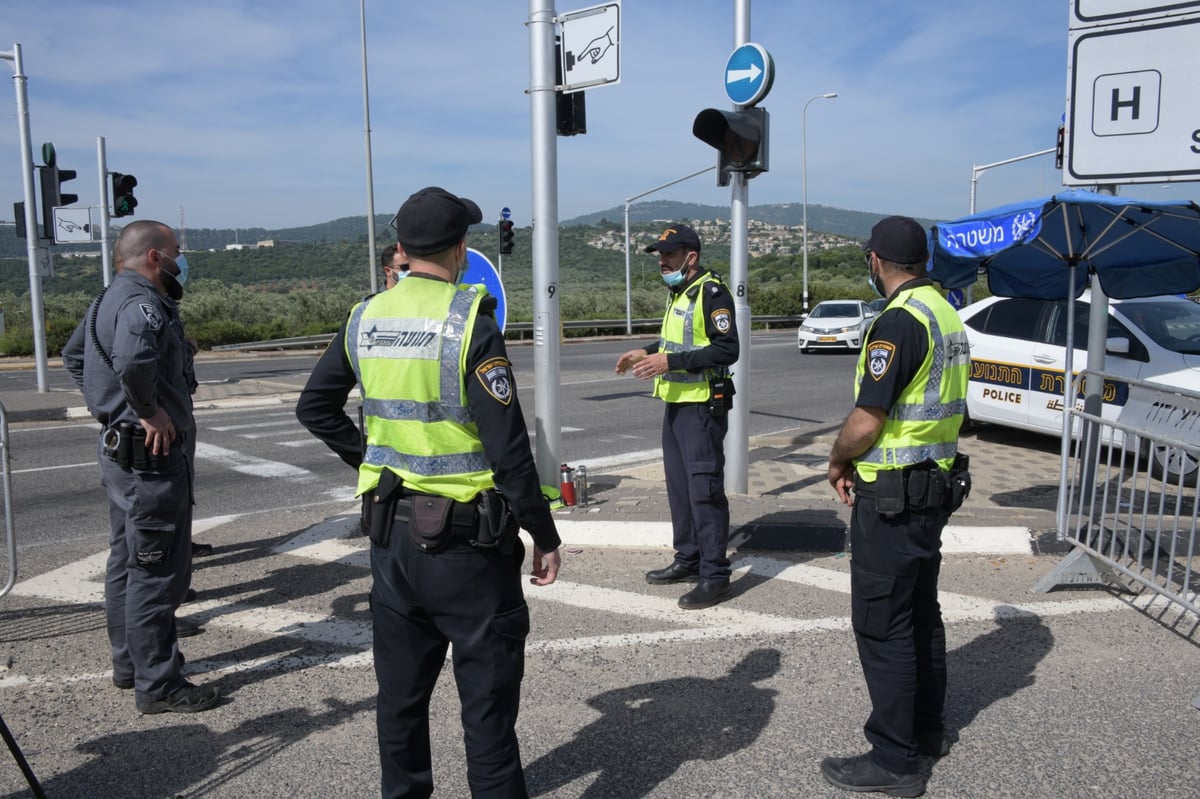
column 517, row 330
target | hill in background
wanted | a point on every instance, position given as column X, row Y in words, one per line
column 823, row 219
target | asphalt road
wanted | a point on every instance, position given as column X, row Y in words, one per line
column 1070, row 694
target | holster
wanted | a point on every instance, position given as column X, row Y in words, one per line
column 497, row 526
column 124, row 444
column 379, row 508
column 958, row 483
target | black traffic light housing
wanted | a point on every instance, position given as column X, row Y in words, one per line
column 506, row 237
column 52, row 179
column 123, row 201
column 740, row 138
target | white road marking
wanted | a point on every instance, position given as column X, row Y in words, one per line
column 248, row 464
column 225, row 428
column 53, row 468
column 335, row 540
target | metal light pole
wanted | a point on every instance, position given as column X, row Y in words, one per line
column 804, row 180
column 979, row 169
column 628, row 202
column 362, row 8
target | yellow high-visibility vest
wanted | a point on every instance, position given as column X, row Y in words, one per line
column 924, row 422
column 683, row 332
column 408, row 347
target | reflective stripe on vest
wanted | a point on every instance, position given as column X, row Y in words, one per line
column 679, row 334
column 924, row 422
column 407, row 347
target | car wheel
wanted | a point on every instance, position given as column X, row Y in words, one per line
column 1172, row 464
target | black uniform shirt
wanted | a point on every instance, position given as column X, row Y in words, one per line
column 716, row 306
column 896, row 347
column 502, row 431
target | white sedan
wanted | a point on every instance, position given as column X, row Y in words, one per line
column 835, row 324
column 1018, row 357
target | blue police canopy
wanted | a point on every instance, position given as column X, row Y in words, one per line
column 1135, row 248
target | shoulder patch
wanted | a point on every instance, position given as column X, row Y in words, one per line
column 153, row 317
column 879, row 358
column 495, row 375
column 722, row 319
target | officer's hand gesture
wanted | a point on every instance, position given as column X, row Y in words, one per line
column 545, row 566
column 628, row 359
column 651, row 366
column 160, row 432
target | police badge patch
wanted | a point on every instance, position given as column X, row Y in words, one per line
column 721, row 319
column 153, row 318
column 879, row 358
column 496, row 378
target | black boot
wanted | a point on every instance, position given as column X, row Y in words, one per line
column 705, row 595
column 861, row 773
column 675, row 573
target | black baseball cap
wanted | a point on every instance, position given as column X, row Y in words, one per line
column 673, row 238
column 899, row 239
column 433, row 220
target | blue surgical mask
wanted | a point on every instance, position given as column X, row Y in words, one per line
column 673, row 279
column 182, row 265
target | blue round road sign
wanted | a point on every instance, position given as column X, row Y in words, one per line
column 505, row 213
column 481, row 270
column 749, row 73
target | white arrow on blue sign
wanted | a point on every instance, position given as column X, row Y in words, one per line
column 749, row 73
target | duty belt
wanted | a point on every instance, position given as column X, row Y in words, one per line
column 124, row 443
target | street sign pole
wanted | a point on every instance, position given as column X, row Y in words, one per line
column 737, row 440
column 20, row 82
column 547, row 324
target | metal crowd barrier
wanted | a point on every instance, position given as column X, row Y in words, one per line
column 1134, row 525
column 10, row 541
column 10, row 538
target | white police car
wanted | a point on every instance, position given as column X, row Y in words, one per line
column 1018, row 357
column 835, row 324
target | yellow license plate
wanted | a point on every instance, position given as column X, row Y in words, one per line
column 826, row 338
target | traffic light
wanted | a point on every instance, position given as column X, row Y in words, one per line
column 506, row 237
column 123, row 201
column 740, row 138
column 52, row 179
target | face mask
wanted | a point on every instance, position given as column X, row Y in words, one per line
column 399, row 275
column 182, row 265
column 673, row 279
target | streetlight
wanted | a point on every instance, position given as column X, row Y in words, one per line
column 804, row 169
column 628, row 277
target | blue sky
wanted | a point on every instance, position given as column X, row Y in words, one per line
column 250, row 112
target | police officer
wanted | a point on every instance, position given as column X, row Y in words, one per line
column 130, row 359
column 896, row 450
column 445, row 440
column 395, row 265
column 689, row 364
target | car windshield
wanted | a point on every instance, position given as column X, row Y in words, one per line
column 835, row 310
column 1173, row 325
